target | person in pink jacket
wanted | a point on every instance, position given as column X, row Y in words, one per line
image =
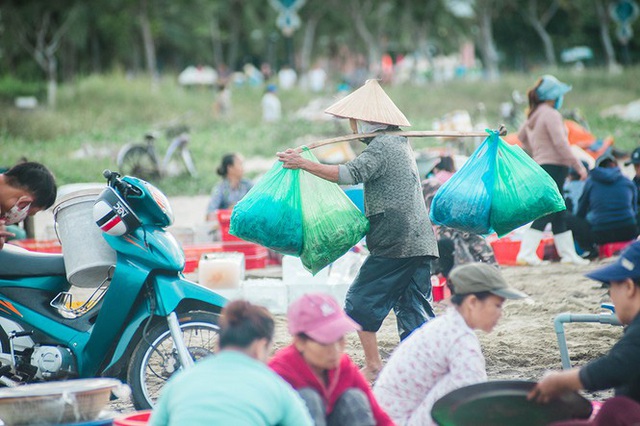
column 315, row 365
column 544, row 136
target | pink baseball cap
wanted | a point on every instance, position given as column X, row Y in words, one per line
column 320, row 317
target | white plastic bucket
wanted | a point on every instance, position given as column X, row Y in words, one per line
column 87, row 256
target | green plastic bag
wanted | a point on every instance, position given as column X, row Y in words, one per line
column 523, row 191
column 270, row 213
column 332, row 224
column 498, row 189
column 464, row 201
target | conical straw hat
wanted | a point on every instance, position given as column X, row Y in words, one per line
column 369, row 103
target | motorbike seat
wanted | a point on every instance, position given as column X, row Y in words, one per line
column 18, row 262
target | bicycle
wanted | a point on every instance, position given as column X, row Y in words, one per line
column 142, row 159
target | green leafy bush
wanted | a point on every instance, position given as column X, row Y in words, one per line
column 11, row 88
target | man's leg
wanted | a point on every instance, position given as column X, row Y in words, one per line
column 414, row 308
column 372, row 360
column 375, row 291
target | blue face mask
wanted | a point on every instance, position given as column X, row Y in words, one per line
column 558, row 103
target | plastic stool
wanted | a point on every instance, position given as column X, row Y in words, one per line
column 439, row 288
column 613, row 249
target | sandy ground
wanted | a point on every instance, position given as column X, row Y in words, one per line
column 524, row 343
column 522, row 346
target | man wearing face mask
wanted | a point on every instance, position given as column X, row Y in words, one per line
column 25, row 189
column 397, row 274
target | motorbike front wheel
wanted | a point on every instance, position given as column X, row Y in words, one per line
column 155, row 358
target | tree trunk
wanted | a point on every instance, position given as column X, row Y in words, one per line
column 52, row 85
column 487, row 44
column 373, row 54
column 147, row 40
column 95, row 52
column 539, row 26
column 603, row 20
column 216, row 42
column 307, row 42
column 234, row 42
column 44, row 51
column 548, row 44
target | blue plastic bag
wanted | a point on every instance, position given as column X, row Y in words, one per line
column 498, row 189
column 464, row 201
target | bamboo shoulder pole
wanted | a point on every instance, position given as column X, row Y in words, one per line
column 502, row 131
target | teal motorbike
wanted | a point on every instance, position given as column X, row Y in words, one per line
column 141, row 323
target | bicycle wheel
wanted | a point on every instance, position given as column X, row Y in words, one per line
column 137, row 161
column 188, row 162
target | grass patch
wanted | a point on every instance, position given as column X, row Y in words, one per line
column 98, row 114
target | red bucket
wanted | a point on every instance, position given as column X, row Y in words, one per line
column 224, row 219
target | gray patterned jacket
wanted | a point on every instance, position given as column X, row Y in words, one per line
column 394, row 205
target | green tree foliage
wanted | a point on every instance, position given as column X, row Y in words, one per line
column 107, row 35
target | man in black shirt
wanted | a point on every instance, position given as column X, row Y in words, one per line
column 620, row 368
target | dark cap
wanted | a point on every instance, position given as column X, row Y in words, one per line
column 604, row 158
column 635, row 157
column 627, row 266
column 478, row 277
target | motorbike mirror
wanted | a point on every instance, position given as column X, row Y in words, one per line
column 109, row 175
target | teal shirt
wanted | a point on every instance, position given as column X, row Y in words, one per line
column 230, row 388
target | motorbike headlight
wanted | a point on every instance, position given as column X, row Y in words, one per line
column 163, row 203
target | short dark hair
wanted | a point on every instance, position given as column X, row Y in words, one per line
column 446, row 163
column 242, row 322
column 457, row 299
column 36, row 179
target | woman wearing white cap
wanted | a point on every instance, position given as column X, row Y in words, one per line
column 544, row 136
column 400, row 239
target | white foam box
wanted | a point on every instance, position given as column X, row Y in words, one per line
column 221, row 270
column 293, row 273
column 270, row 293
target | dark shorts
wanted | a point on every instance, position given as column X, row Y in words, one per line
column 382, row 284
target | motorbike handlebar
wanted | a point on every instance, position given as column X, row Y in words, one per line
column 109, row 175
column 113, row 179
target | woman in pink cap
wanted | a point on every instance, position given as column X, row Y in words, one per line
column 335, row 391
